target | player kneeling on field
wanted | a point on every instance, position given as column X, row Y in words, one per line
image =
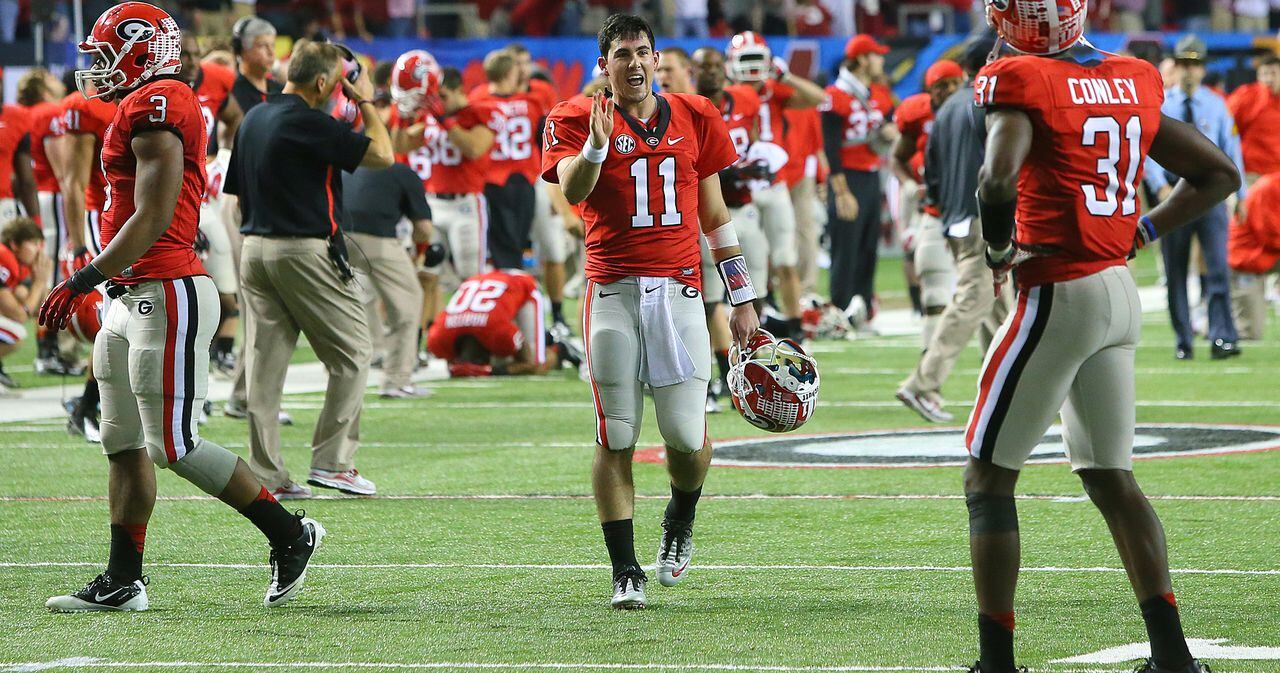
column 493, row 324
column 24, row 274
column 152, row 354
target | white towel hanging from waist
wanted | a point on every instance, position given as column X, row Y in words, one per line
column 664, row 360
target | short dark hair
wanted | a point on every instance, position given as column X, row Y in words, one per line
column 450, row 78
column 1269, row 59
column 679, row 53
column 311, row 59
column 622, row 27
column 19, row 230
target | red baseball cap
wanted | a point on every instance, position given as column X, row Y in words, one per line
column 863, row 44
column 941, row 70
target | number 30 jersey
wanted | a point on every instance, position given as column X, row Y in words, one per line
column 1093, row 124
column 169, row 106
column 642, row 217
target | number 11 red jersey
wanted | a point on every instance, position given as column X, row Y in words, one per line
column 642, row 216
column 1092, row 125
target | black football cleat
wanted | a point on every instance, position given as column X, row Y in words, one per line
column 977, row 668
column 289, row 563
column 103, row 594
column 1222, row 349
column 1193, row 666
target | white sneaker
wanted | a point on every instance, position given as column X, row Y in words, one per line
column 349, row 482
column 628, row 591
column 674, row 552
column 929, row 407
column 292, row 491
column 103, row 594
column 407, row 392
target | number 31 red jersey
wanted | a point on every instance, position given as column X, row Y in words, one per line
column 163, row 105
column 642, row 216
column 1093, row 124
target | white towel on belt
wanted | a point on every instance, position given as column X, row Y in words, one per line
column 664, row 360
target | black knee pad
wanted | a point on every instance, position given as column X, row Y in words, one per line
column 991, row 514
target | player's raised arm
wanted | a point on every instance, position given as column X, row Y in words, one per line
column 578, row 174
column 1009, row 135
column 1208, row 175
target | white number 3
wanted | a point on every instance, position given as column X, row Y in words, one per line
column 162, row 109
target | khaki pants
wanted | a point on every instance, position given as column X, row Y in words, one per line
column 805, row 202
column 386, row 265
column 973, row 305
column 290, row 286
column 1249, row 304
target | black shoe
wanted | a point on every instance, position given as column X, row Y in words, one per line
column 1194, row 666
column 1223, row 349
column 103, row 594
column 82, row 422
column 55, row 365
column 289, row 564
column 1183, row 353
column 977, row 668
column 7, row 381
column 225, row 364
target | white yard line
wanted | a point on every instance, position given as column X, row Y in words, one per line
column 88, row 662
column 601, row 566
column 1069, row 499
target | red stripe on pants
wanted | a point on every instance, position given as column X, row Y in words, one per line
column 170, row 347
column 989, row 373
column 601, row 434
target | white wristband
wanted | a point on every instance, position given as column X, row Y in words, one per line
column 724, row 236
column 594, row 154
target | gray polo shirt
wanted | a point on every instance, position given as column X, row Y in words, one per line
column 375, row 199
column 953, row 157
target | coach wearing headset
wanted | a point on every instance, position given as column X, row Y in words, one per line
column 286, row 168
column 253, row 40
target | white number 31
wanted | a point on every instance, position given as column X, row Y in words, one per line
column 162, row 109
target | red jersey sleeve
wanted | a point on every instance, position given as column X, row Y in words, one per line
column 10, row 270
column 564, row 136
column 782, row 93
column 716, row 147
column 1009, row 82
column 545, row 94
column 167, row 108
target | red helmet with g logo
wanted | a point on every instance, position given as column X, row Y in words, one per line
column 1038, row 27
column 415, row 78
column 131, row 43
column 749, row 58
column 774, row 383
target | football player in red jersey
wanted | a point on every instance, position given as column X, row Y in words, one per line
column 457, row 136
column 212, row 83
column 645, row 168
column 919, row 219
column 855, row 125
column 17, row 181
column 492, row 324
column 152, row 352
column 752, row 65
column 21, row 242
column 1068, row 128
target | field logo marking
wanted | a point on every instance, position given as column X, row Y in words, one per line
column 935, row 447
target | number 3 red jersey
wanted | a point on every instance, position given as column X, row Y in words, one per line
column 163, row 105
column 1093, row 124
column 642, row 216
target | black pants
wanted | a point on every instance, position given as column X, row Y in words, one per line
column 854, row 242
column 511, row 209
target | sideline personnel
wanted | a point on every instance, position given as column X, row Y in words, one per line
column 294, row 272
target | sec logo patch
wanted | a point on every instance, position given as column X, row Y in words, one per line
column 624, row 144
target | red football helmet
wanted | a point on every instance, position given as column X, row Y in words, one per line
column 749, row 58
column 86, row 322
column 773, row 383
column 1039, row 27
column 415, row 78
column 130, row 44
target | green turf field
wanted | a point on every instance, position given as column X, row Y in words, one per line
column 493, row 559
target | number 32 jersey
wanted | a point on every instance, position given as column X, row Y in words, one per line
column 170, row 106
column 642, row 217
column 1093, row 124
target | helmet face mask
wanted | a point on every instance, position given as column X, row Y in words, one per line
column 749, row 58
column 415, row 80
column 773, row 383
column 130, row 44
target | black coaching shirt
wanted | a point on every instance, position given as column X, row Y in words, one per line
column 287, row 167
column 376, row 199
column 249, row 96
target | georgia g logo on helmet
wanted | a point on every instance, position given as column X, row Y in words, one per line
column 135, row 29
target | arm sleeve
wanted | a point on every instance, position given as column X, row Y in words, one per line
column 716, row 151
column 832, row 137
column 415, row 201
column 565, row 135
column 165, row 108
column 336, row 144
